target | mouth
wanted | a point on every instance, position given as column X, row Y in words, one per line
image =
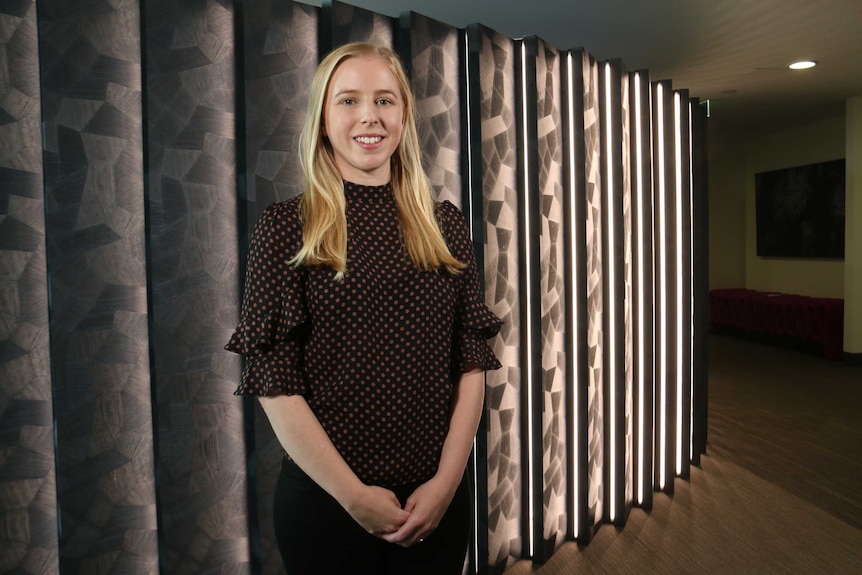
column 368, row 139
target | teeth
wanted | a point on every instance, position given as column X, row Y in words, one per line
column 368, row 139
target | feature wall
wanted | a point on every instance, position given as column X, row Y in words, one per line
column 140, row 142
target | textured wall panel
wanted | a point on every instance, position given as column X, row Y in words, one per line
column 627, row 410
column 642, row 262
column 192, row 204
column 552, row 270
column 91, row 99
column 665, row 285
column 342, row 23
column 280, row 56
column 434, row 76
column 503, row 397
column 594, row 279
column 28, row 491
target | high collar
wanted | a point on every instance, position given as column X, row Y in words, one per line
column 368, row 192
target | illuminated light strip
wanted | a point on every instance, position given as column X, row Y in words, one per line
column 641, row 297
column 612, row 290
column 680, row 318
column 691, row 112
column 662, row 290
column 575, row 480
column 531, row 487
column 470, row 224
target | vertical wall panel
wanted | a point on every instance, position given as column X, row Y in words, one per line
column 700, row 274
column 613, row 259
column 628, row 402
column 280, row 54
column 432, row 52
column 341, row 23
column 578, row 371
column 496, row 84
column 90, row 61
column 642, row 262
column 684, row 283
column 191, row 153
column 595, row 303
column 28, row 490
column 665, row 283
column 553, row 301
column 530, row 288
column 280, row 41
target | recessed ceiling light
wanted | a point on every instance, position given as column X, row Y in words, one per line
column 803, row 65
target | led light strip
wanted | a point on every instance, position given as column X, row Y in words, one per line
column 612, row 289
column 531, row 487
column 680, row 318
column 691, row 112
column 641, row 298
column 573, row 305
column 469, row 127
column 662, row 289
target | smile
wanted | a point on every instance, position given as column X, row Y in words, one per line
column 368, row 139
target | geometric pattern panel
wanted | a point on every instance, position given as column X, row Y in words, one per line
column 93, row 153
column 550, row 168
column 629, row 327
column 281, row 53
column 496, row 84
column 595, row 287
column 436, row 84
column 28, row 489
column 194, row 284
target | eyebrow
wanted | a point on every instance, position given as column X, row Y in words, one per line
column 349, row 91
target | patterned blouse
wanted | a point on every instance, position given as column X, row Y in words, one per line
column 376, row 354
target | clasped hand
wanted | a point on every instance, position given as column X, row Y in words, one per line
column 379, row 512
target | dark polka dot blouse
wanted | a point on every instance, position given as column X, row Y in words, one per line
column 376, row 354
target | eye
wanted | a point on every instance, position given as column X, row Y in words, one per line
column 348, row 101
column 384, row 102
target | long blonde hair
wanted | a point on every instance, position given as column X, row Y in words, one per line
column 323, row 206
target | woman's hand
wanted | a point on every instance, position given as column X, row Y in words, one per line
column 377, row 510
column 426, row 507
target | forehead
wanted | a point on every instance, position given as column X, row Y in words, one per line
column 363, row 73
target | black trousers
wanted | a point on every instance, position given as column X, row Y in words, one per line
column 316, row 536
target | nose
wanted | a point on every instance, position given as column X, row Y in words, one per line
column 369, row 113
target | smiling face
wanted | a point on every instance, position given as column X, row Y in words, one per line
column 363, row 116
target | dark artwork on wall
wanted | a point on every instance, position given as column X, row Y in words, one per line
column 800, row 211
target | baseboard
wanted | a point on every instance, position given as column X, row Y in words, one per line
column 854, row 359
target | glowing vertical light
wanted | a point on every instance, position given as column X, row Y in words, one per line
column 528, row 282
column 573, row 305
column 469, row 128
column 680, row 293
column 609, row 148
column 691, row 113
column 640, row 282
column 662, row 289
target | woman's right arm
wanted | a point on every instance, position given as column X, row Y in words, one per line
column 298, row 430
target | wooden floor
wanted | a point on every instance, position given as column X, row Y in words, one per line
column 779, row 491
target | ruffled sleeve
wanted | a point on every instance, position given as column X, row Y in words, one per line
column 474, row 322
column 273, row 321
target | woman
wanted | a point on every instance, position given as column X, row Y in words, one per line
column 364, row 333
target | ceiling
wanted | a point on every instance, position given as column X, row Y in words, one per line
column 732, row 52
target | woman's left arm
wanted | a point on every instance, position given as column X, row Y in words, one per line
column 429, row 502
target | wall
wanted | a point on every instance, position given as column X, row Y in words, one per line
column 853, row 239
column 726, row 210
column 806, row 144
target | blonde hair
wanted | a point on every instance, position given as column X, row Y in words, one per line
column 323, row 206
